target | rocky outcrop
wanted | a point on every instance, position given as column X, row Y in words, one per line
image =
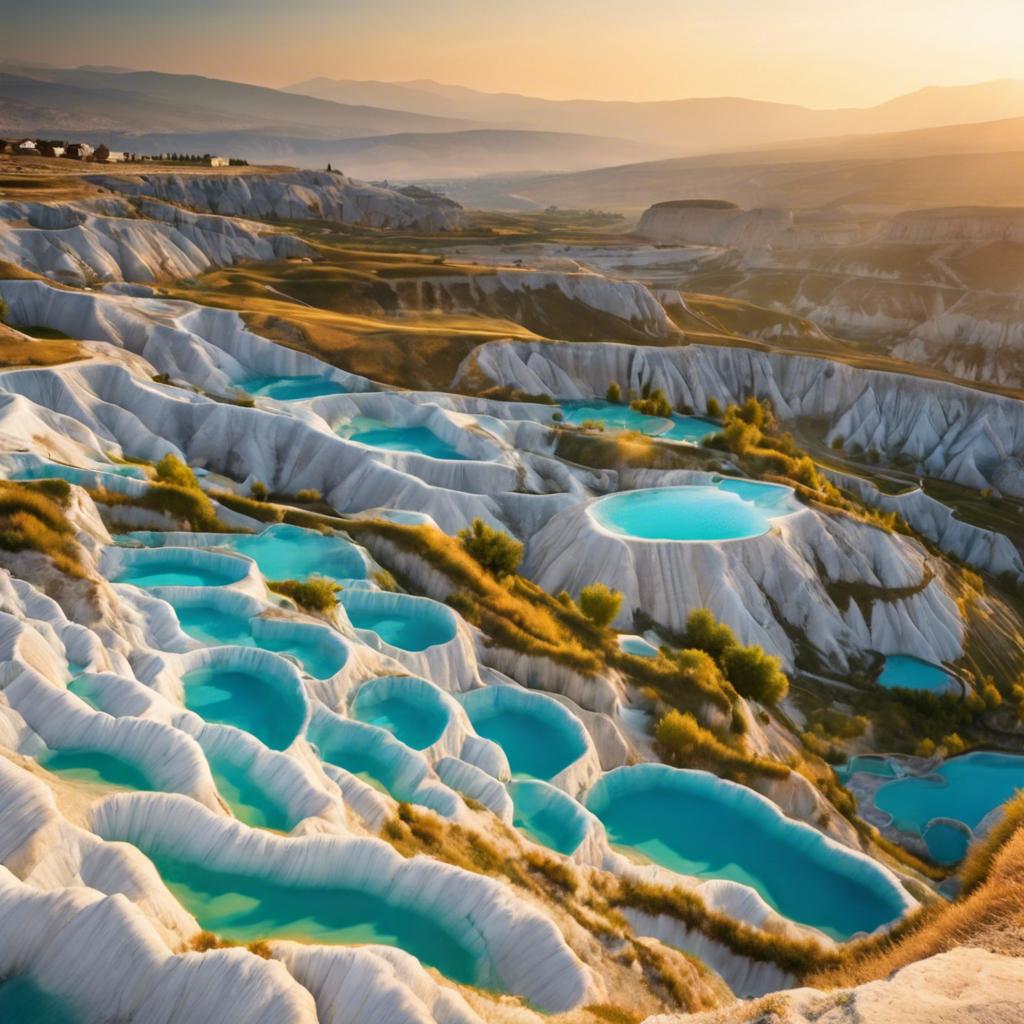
column 963, row 986
column 294, row 195
column 711, row 222
column 957, row 224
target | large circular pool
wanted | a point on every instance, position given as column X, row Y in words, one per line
column 688, row 513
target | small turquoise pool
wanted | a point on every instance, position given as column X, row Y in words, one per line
column 248, row 801
column 311, row 646
column 613, row 416
column 228, row 695
column 901, row 671
column 691, row 428
column 290, row 389
column 96, row 767
column 540, row 737
column 178, row 567
column 411, row 709
column 75, row 474
column 638, row 647
column 408, row 623
column 22, row 1001
column 250, row 907
column 285, row 552
column 946, row 843
column 865, row 765
column 419, row 440
column 547, row 815
column 964, row 789
column 694, row 512
column 696, row 824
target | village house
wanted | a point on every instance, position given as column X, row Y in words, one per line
column 78, row 151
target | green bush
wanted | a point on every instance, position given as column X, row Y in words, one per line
column 497, row 552
column 600, row 604
column 713, row 408
column 258, row 489
column 316, row 594
column 309, row 496
column 654, row 404
column 614, row 393
column 705, row 633
column 755, row 674
column 171, row 470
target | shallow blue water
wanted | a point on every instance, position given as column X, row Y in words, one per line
column 691, row 428
column 96, row 767
column 638, row 647
column 73, row 474
column 772, row 499
column 421, row 440
column 409, row 711
column 946, row 843
column 866, row 765
column 410, row 626
column 226, row 695
column 964, row 789
column 167, row 568
column 290, row 389
column 250, row 907
column 905, row 672
column 214, row 628
column 693, row 512
column 248, row 801
column 695, row 830
column 534, row 745
column 613, row 416
column 547, row 815
column 285, row 552
column 22, row 1001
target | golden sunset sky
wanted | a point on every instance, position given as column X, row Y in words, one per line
column 819, row 53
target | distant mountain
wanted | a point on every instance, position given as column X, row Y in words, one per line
column 155, row 102
column 688, row 125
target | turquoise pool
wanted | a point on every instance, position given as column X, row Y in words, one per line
column 368, row 753
column 319, row 657
column 290, row 389
column 285, row 552
column 638, row 647
column 22, row 1001
column 96, row 767
column 178, row 567
column 419, row 440
column 696, row 824
column 908, row 673
column 75, row 474
column 964, row 789
column 694, row 512
column 547, row 815
column 946, row 843
column 249, row 907
column 228, row 695
column 621, row 417
column 411, row 709
column 537, row 734
column 691, row 428
column 866, row 765
column 408, row 623
column 248, row 801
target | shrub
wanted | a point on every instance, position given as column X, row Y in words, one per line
column 837, row 442
column 30, row 520
column 614, row 393
column 683, row 740
column 385, row 580
column 654, row 404
column 316, row 594
column 755, row 674
column 713, row 408
column 3, row 311
column 600, row 604
column 171, row 470
column 497, row 552
column 705, row 633
column 258, row 489
column 309, row 496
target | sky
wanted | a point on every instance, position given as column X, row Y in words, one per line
column 820, row 53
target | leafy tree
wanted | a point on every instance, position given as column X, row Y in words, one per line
column 600, row 604
column 705, row 633
column 258, row 489
column 497, row 552
column 713, row 408
column 614, row 393
column 755, row 674
column 171, row 470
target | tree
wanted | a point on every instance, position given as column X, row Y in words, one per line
column 755, row 674
column 600, row 604
column 614, row 393
column 713, row 408
column 171, row 470
column 258, row 489
column 497, row 552
column 705, row 633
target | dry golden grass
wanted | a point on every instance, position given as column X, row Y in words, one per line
column 33, row 520
column 16, row 351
